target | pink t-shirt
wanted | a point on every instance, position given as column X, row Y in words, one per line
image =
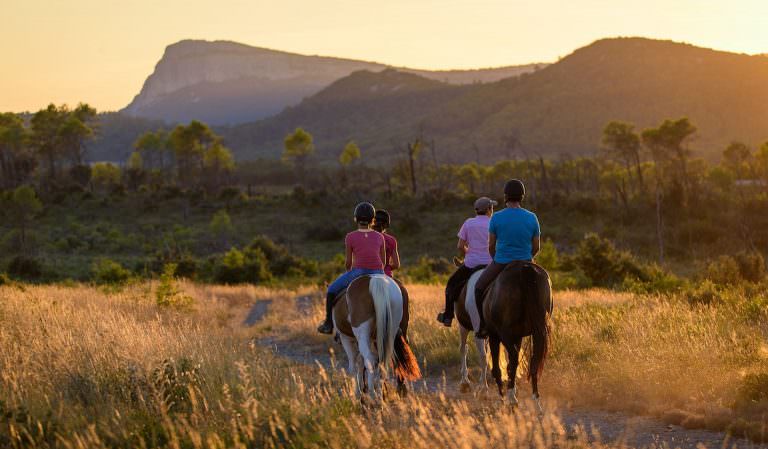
column 366, row 249
column 390, row 245
column 475, row 232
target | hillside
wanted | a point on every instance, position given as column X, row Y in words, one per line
column 559, row 109
column 226, row 82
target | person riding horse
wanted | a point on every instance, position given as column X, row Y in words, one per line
column 391, row 253
column 514, row 234
column 473, row 248
column 365, row 254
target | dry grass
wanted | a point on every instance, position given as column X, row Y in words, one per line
column 81, row 367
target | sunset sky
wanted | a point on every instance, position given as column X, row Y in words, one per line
column 100, row 51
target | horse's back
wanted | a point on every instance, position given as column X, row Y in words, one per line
column 505, row 306
column 360, row 298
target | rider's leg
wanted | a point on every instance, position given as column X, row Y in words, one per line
column 342, row 282
column 452, row 291
column 485, row 279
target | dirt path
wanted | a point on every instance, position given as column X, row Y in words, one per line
column 616, row 428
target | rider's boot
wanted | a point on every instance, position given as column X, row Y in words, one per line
column 482, row 332
column 326, row 327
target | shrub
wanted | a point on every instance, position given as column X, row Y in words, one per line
column 569, row 280
column 706, row 292
column 281, row 261
column 751, row 266
column 167, row 293
column 723, row 271
column 429, row 270
column 657, row 281
column 25, row 268
column 107, row 271
column 603, row 264
column 250, row 265
column 548, row 257
column 176, row 382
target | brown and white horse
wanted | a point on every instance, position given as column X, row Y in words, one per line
column 469, row 321
column 518, row 304
column 372, row 325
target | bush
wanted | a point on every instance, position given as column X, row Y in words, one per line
column 324, row 233
column 107, row 271
column 429, row 270
column 706, row 293
column 658, row 281
column 250, row 265
column 167, row 293
column 281, row 261
column 548, row 257
column 25, row 268
column 604, row 265
column 723, row 271
column 569, row 280
column 751, row 266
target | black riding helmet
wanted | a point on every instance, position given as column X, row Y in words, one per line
column 364, row 213
column 514, row 190
column 382, row 219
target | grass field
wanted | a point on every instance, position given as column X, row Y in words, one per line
column 87, row 367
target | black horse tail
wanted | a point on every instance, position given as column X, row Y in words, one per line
column 537, row 319
column 406, row 365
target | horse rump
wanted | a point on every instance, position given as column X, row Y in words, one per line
column 537, row 319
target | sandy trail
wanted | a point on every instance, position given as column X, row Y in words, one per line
column 612, row 427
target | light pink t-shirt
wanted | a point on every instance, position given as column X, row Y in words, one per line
column 475, row 232
column 366, row 249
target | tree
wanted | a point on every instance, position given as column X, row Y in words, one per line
column 189, row 144
column 622, row 143
column 105, row 175
column 134, row 172
column 413, row 153
column 298, row 147
column 22, row 206
column 75, row 130
column 218, row 163
column 153, row 146
column 221, row 227
column 349, row 154
column 45, row 136
column 736, row 158
column 16, row 162
column 761, row 164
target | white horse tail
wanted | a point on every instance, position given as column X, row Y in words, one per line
column 387, row 301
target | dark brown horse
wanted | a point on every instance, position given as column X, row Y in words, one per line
column 516, row 305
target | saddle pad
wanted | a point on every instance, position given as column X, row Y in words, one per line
column 469, row 302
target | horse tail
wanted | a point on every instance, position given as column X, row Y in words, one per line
column 536, row 316
column 386, row 327
column 406, row 365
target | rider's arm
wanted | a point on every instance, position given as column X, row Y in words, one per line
column 394, row 263
column 492, row 244
column 383, row 255
column 535, row 246
column 462, row 247
column 348, row 262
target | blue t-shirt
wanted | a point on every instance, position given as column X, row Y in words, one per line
column 514, row 229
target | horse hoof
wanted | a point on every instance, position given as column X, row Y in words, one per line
column 464, row 387
column 402, row 390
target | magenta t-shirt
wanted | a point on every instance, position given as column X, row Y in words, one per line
column 366, row 249
column 475, row 232
column 390, row 245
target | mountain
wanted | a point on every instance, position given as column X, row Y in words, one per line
column 227, row 83
column 561, row 108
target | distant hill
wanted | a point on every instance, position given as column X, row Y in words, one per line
column 228, row 83
column 561, row 108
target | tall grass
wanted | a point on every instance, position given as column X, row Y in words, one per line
column 85, row 367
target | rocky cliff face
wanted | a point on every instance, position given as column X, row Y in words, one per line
column 226, row 82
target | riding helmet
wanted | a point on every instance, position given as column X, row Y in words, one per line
column 364, row 213
column 382, row 218
column 514, row 190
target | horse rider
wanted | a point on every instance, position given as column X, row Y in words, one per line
column 473, row 248
column 513, row 235
column 365, row 254
column 391, row 254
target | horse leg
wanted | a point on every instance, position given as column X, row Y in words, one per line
column 353, row 356
column 464, row 384
column 480, row 343
column 513, row 358
column 370, row 358
column 496, row 370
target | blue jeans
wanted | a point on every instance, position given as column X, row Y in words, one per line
column 345, row 279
